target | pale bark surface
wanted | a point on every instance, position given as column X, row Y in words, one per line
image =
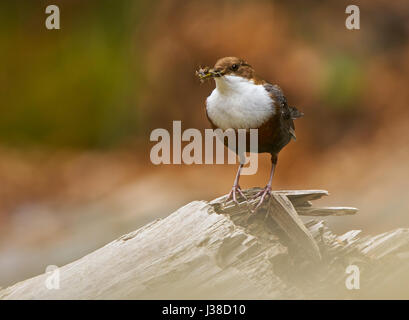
column 213, row 250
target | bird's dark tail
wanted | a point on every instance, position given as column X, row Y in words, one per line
column 294, row 113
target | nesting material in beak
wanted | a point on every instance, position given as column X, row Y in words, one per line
column 206, row 73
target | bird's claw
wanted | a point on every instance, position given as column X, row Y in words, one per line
column 233, row 196
column 263, row 193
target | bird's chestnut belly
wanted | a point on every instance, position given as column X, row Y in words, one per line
column 271, row 137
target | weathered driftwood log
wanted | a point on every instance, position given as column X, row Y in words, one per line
column 211, row 250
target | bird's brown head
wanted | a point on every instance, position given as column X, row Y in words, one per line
column 227, row 66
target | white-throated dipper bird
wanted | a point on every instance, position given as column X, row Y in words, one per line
column 241, row 100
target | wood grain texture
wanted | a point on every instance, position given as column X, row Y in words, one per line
column 212, row 250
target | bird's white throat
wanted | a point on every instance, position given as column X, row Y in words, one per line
column 239, row 103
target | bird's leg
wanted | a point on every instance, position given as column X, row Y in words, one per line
column 267, row 189
column 236, row 188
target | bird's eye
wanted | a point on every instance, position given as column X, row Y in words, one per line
column 234, row 67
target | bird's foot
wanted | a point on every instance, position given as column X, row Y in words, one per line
column 263, row 195
column 233, row 194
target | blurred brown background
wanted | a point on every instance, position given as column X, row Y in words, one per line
column 78, row 105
